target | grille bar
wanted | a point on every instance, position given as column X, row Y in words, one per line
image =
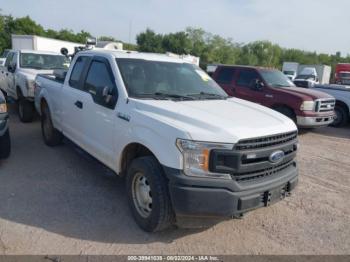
column 242, row 177
column 325, row 105
column 263, row 142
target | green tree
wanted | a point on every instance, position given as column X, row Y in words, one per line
column 149, row 41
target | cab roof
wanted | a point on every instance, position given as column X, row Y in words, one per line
column 135, row 55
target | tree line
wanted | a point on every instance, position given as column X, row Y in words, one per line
column 211, row 48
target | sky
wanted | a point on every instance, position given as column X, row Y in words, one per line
column 312, row 25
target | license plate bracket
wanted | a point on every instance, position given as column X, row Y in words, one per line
column 275, row 195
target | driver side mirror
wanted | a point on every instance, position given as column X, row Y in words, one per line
column 259, row 85
column 107, row 94
column 11, row 68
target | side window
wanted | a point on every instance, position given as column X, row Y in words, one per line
column 100, row 78
column 225, row 75
column 77, row 71
column 9, row 58
column 247, row 78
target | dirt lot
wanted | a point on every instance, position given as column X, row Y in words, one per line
column 58, row 201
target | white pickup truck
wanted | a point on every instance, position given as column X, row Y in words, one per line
column 18, row 73
column 187, row 150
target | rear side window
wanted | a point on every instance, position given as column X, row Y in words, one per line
column 247, row 78
column 77, row 71
column 225, row 75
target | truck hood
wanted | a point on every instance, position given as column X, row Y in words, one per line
column 224, row 121
column 304, row 93
column 32, row 73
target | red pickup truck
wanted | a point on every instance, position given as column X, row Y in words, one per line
column 271, row 88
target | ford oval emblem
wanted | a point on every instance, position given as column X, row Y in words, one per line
column 276, row 156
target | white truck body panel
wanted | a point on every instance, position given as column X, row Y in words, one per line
column 33, row 42
column 156, row 124
column 323, row 72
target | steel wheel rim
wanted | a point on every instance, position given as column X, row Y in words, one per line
column 142, row 195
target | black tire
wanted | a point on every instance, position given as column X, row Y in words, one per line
column 5, row 145
column 51, row 136
column 25, row 110
column 342, row 116
column 287, row 112
column 161, row 215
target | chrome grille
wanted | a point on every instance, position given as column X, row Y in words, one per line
column 325, row 105
column 262, row 142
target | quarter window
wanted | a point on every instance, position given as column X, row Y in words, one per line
column 247, row 78
column 77, row 71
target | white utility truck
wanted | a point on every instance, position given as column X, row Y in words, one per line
column 187, row 150
column 18, row 73
column 40, row 43
column 290, row 69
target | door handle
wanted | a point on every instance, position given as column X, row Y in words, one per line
column 79, row 104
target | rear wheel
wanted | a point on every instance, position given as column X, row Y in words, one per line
column 148, row 195
column 5, row 145
column 51, row 136
column 25, row 110
column 341, row 116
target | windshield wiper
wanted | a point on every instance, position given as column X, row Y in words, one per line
column 176, row 96
column 210, row 95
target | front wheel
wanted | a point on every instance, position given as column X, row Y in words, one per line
column 5, row 145
column 148, row 195
column 341, row 116
column 51, row 136
column 25, row 110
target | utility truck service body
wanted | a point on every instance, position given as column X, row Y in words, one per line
column 188, row 151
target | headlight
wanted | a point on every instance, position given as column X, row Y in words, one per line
column 307, row 106
column 3, row 108
column 196, row 156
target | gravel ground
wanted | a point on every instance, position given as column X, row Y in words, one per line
column 59, row 201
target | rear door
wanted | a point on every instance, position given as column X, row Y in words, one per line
column 224, row 77
column 73, row 123
column 11, row 76
column 245, row 86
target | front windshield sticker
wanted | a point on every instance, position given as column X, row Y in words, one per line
column 203, row 75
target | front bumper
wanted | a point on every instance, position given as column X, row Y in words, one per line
column 3, row 123
column 315, row 121
column 207, row 197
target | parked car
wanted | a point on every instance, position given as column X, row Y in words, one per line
column 307, row 78
column 18, row 74
column 342, row 104
column 271, row 88
column 187, row 150
column 290, row 69
column 5, row 142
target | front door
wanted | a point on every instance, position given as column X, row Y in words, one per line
column 99, row 110
column 246, row 86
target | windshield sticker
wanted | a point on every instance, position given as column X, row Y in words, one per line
column 203, row 75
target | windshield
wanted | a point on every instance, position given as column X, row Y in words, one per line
column 4, row 54
column 306, row 77
column 344, row 74
column 289, row 72
column 167, row 80
column 276, row 78
column 43, row 61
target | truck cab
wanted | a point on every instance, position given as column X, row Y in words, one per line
column 307, row 78
column 271, row 88
column 342, row 74
column 18, row 73
column 186, row 149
